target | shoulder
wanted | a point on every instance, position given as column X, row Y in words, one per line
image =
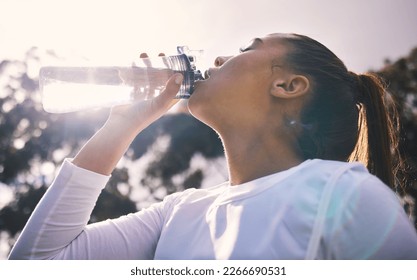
column 333, row 165
column 327, row 169
column 365, row 218
column 353, row 182
column 316, row 175
column 346, row 176
column 356, row 190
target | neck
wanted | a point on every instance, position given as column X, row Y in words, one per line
column 251, row 156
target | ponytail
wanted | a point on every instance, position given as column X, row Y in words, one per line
column 377, row 145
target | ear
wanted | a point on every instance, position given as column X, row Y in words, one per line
column 291, row 87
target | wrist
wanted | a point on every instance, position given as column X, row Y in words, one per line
column 124, row 126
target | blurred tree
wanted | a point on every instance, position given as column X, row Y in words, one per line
column 401, row 77
column 187, row 136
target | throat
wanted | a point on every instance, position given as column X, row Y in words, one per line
column 249, row 162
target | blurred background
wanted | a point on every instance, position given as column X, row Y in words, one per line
column 176, row 152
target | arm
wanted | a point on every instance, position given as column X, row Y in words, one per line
column 57, row 227
column 108, row 145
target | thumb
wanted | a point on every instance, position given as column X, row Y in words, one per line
column 167, row 97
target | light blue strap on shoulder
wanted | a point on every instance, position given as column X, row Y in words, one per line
column 313, row 245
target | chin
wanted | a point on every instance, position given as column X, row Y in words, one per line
column 198, row 108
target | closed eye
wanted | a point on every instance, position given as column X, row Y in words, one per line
column 253, row 45
column 242, row 50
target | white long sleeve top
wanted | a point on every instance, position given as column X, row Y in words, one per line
column 318, row 209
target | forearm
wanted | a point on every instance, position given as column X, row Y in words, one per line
column 103, row 151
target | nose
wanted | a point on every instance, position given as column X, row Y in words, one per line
column 220, row 60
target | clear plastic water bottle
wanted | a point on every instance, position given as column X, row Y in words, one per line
column 70, row 89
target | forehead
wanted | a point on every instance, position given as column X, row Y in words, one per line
column 276, row 44
column 277, row 38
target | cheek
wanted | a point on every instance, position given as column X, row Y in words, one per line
column 235, row 88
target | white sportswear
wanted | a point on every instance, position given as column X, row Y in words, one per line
column 318, row 209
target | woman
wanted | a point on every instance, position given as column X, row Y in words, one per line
column 289, row 115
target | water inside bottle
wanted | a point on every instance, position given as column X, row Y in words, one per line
column 66, row 89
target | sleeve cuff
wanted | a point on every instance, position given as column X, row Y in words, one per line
column 84, row 176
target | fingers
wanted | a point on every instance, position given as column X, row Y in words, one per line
column 145, row 60
column 145, row 55
column 156, row 80
column 142, row 113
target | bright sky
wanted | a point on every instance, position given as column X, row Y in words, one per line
column 361, row 32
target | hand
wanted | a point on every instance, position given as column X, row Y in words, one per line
column 146, row 78
column 140, row 114
column 103, row 151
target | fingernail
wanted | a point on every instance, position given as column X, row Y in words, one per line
column 178, row 79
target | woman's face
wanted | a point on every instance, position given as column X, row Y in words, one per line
column 236, row 90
